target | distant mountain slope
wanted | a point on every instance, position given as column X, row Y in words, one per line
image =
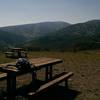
column 9, row 39
column 34, row 30
column 78, row 36
column 53, row 36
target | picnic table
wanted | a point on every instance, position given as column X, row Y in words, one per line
column 38, row 63
column 16, row 53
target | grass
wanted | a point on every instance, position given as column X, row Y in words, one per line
column 84, row 64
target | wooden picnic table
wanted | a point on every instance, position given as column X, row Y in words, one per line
column 16, row 53
column 19, row 52
column 37, row 63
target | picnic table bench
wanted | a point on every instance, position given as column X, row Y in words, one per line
column 38, row 63
column 52, row 83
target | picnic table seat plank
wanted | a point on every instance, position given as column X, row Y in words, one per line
column 3, row 76
column 51, row 83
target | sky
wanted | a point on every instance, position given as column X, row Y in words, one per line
column 17, row 12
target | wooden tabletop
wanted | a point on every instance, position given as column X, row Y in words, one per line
column 38, row 63
column 43, row 61
column 17, row 49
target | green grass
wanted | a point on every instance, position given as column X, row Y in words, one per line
column 3, row 59
column 84, row 64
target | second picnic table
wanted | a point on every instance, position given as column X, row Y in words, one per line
column 16, row 53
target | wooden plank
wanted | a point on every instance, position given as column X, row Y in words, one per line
column 3, row 76
column 5, row 64
column 16, row 49
column 8, row 69
column 39, row 63
column 43, row 61
column 9, row 52
column 52, row 83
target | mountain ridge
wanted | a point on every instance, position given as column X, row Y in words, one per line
column 15, row 35
column 78, row 36
column 36, row 29
column 48, row 36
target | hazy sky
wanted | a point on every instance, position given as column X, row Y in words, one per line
column 14, row 12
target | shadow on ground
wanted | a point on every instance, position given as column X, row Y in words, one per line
column 58, row 93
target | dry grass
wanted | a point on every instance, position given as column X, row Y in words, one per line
column 84, row 64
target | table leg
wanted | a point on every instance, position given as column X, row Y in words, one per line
column 19, row 54
column 11, row 86
column 34, row 76
column 48, row 73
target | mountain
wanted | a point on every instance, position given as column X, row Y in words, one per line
column 9, row 39
column 75, row 37
column 37, row 29
column 15, row 35
column 52, row 36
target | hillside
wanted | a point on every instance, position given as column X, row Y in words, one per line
column 15, row 35
column 36, row 29
column 78, row 36
column 53, row 36
column 9, row 39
